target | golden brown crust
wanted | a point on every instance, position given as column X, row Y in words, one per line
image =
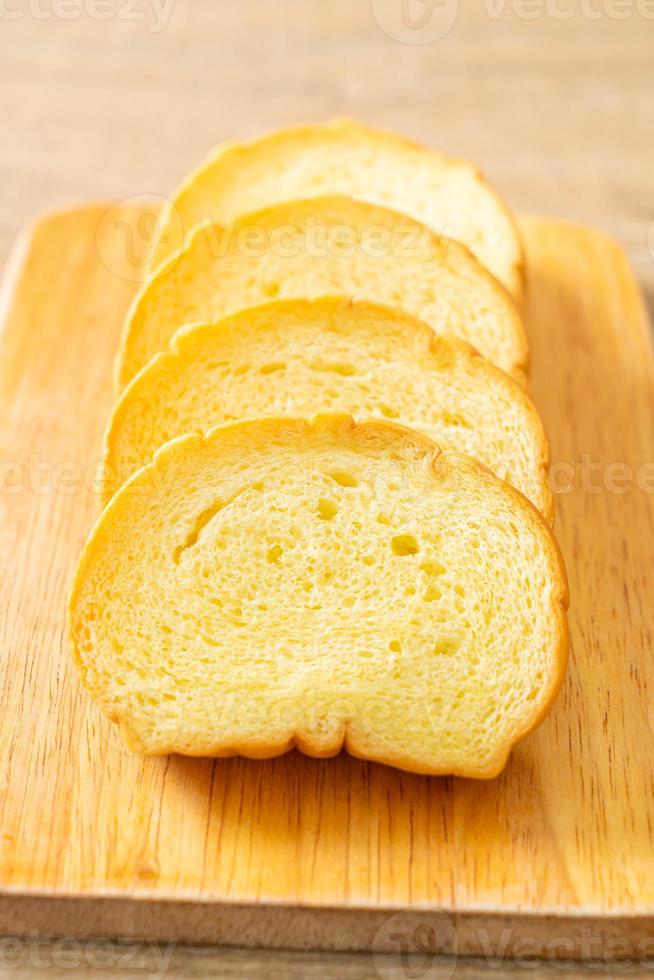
column 266, row 144
column 444, row 351
column 444, row 466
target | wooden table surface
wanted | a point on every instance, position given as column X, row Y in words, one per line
column 557, row 109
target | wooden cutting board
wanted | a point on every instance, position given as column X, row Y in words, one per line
column 334, row 853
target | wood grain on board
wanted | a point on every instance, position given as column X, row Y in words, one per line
column 295, row 851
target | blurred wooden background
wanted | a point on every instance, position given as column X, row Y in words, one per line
column 105, row 99
column 558, row 110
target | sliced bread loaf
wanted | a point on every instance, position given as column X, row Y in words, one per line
column 303, row 357
column 344, row 157
column 278, row 583
column 319, row 246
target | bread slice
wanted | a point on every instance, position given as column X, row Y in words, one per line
column 278, row 583
column 325, row 245
column 302, row 357
column 344, row 157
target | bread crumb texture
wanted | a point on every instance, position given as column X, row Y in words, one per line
column 300, row 357
column 325, row 584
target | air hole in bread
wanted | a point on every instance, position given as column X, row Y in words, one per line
column 446, row 646
column 270, row 288
column 431, row 567
column 432, row 594
column 201, row 522
column 326, row 509
column 334, row 367
column 343, row 478
column 236, row 617
column 388, row 412
column 204, row 518
column 404, row 544
column 455, row 420
column 273, row 367
column 395, row 646
column 274, row 554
